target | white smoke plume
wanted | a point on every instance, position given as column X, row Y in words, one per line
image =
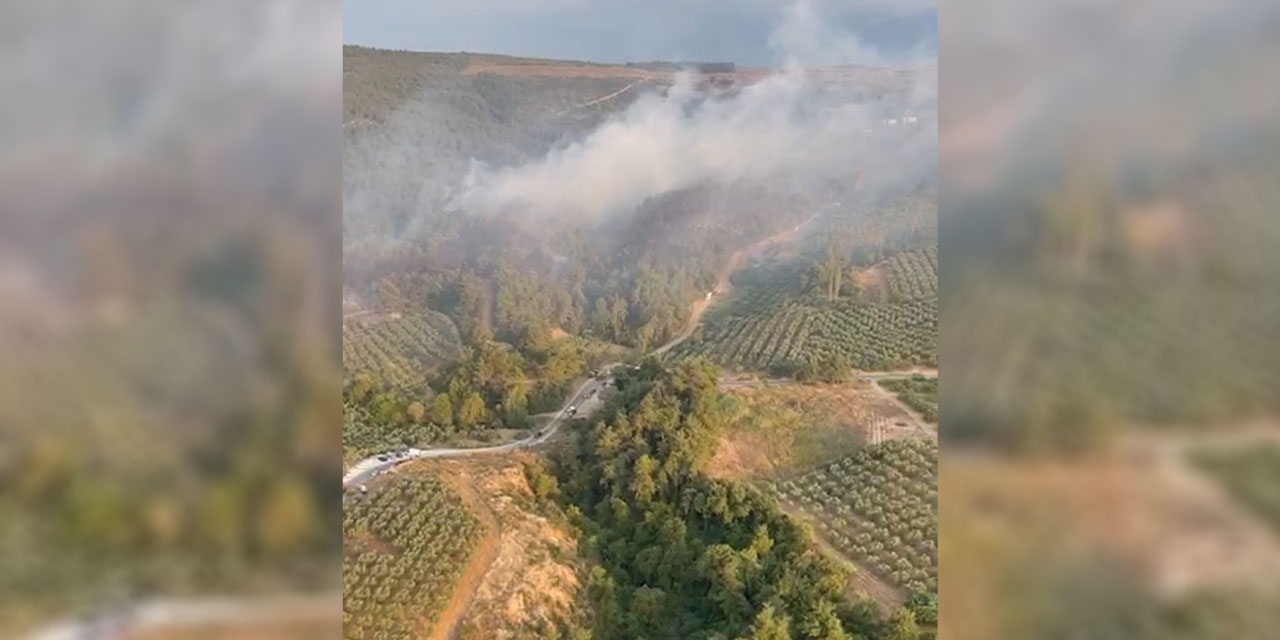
column 791, row 129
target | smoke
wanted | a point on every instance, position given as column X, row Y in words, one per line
column 794, row 129
column 472, row 146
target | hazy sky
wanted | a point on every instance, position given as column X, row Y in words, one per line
column 630, row 30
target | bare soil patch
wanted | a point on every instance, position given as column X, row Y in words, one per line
column 529, row 583
column 777, row 430
column 481, row 559
column 873, row 281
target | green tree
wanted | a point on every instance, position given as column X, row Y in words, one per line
column 472, row 411
column 416, row 411
column 442, row 410
column 361, row 386
column 830, row 271
column 769, row 625
column 902, row 626
column 924, row 605
column 643, row 485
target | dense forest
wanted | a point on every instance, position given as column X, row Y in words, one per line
column 681, row 555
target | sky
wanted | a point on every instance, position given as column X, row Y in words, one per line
column 635, row 30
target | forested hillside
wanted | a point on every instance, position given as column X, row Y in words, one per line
column 470, row 311
column 684, row 556
column 515, row 280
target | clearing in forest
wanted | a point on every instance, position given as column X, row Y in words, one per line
column 781, row 429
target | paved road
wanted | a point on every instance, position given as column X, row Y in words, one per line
column 367, row 469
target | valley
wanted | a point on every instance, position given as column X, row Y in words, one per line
column 616, row 394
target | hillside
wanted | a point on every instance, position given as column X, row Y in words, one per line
column 515, row 229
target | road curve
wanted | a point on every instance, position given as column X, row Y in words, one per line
column 368, row 468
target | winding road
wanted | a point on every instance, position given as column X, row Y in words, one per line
column 373, row 466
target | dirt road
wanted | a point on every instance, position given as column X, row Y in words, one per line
column 723, row 284
column 926, row 428
column 610, row 96
column 464, row 590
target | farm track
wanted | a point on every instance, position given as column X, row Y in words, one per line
column 724, row 285
column 925, row 428
column 604, row 98
column 482, row 559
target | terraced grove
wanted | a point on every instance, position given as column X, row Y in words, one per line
column 399, row 350
column 879, row 506
column 406, row 543
column 771, row 329
column 914, row 273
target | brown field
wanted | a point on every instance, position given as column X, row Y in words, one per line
column 872, row 78
column 780, row 429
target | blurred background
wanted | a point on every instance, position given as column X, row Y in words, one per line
column 169, row 308
column 1110, row 292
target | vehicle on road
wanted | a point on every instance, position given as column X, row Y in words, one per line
column 573, row 408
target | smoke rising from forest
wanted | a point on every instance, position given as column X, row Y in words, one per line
column 802, row 130
column 792, row 130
